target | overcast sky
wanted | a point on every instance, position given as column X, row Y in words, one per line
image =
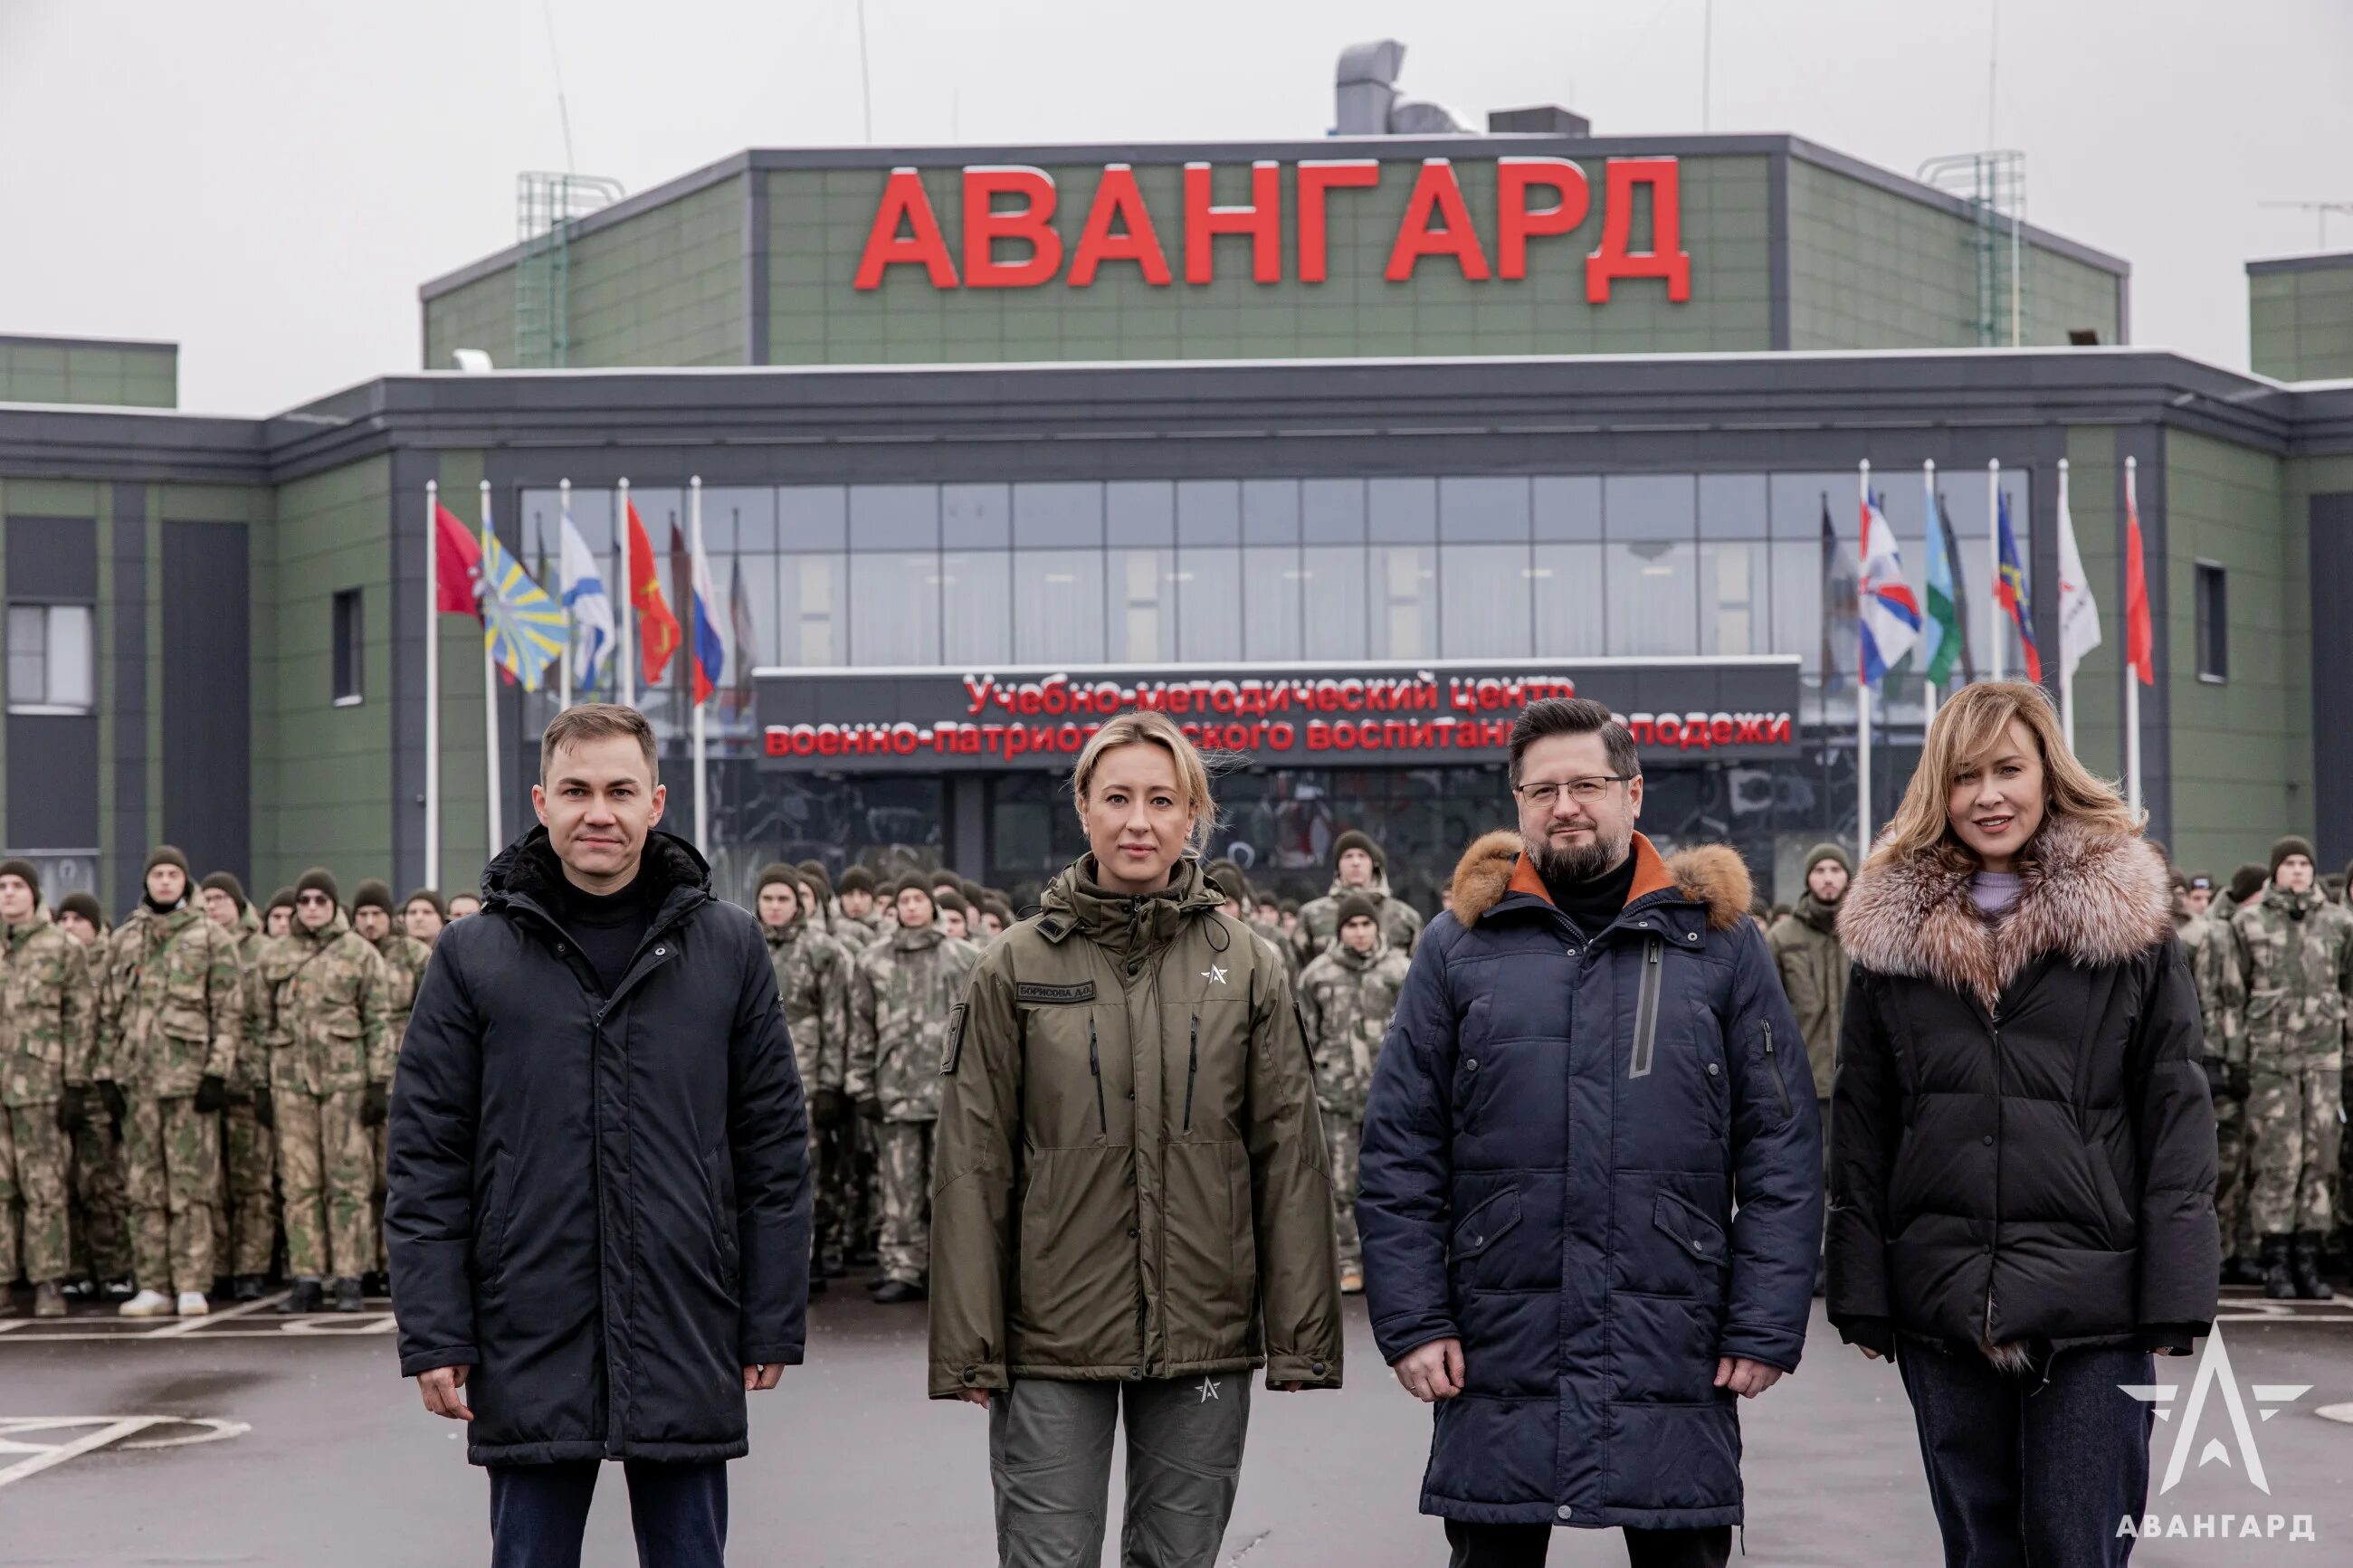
column 266, row 181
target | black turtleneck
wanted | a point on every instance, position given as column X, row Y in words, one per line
column 1591, row 906
column 608, row 926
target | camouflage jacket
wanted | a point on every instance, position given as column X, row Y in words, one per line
column 855, row 935
column 404, row 958
column 253, row 1045
column 172, row 1007
column 47, row 1015
column 901, row 996
column 1344, row 1002
column 2294, row 954
column 813, row 979
column 2221, row 999
column 330, row 1001
column 1319, row 919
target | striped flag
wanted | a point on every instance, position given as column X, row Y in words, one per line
column 710, row 649
column 1891, row 616
column 2010, row 593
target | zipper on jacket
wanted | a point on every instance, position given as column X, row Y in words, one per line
column 1192, row 1070
column 1780, row 1090
column 1646, row 1011
column 1095, row 1065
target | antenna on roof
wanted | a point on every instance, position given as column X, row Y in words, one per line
column 2320, row 208
column 563, row 112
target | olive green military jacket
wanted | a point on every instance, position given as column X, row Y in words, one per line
column 47, row 1015
column 1129, row 1179
column 172, row 1007
column 1346, row 1000
column 1813, row 965
column 330, row 1011
column 2294, row 954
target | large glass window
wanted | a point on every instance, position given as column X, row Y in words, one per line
column 1208, row 603
column 51, row 658
column 1486, row 610
column 1569, row 619
column 1482, row 510
column 975, row 517
column 1404, row 601
column 1057, row 606
column 894, row 608
column 1272, row 627
column 1653, row 599
column 1058, row 516
column 1649, row 506
column 1139, row 589
column 976, row 598
column 1335, row 603
column 813, row 630
column 1734, row 616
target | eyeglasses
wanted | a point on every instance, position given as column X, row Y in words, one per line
column 1587, row 790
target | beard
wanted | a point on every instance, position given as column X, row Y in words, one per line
column 1581, row 862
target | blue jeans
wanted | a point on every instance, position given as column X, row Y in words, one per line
column 2031, row 1470
column 678, row 1511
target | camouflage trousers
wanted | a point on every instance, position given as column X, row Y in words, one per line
column 171, row 1167
column 903, row 1151
column 2294, row 1123
column 2231, row 1185
column 379, row 1138
column 102, row 1207
column 246, row 1234
column 325, row 1172
column 827, row 1153
column 1343, row 1135
column 33, row 1181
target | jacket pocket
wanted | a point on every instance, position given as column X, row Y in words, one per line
column 719, row 1185
column 1483, row 1225
column 1697, row 1236
column 1773, row 1071
column 491, row 1227
column 1646, row 1009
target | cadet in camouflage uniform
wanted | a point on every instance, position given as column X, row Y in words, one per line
column 245, row 1223
column 100, row 1212
column 813, row 979
column 858, row 926
column 45, row 1029
column 1357, row 865
column 2294, row 954
column 902, row 995
column 404, row 958
column 1345, row 998
column 329, row 1022
column 2206, row 941
column 170, row 1014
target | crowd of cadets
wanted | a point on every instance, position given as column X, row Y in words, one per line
column 194, row 1101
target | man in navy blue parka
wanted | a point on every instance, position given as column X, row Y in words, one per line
column 1592, row 1172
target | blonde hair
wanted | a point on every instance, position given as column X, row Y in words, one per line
column 1153, row 729
column 1965, row 730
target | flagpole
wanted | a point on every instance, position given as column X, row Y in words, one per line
column 489, row 704
column 2132, row 673
column 432, row 683
column 2066, row 665
column 628, row 664
column 1862, row 702
column 1933, row 546
column 564, row 660
column 1993, row 560
column 695, row 608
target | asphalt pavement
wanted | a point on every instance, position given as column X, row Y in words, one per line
column 317, row 1452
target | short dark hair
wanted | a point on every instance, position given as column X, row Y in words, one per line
column 598, row 722
column 1574, row 716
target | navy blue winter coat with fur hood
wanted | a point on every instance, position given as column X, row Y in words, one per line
column 1599, row 1165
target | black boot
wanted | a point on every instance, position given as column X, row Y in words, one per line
column 2239, row 1270
column 348, row 1298
column 375, row 1282
column 2279, row 1285
column 817, row 1286
column 2303, row 1263
column 306, row 1295
column 245, row 1288
column 894, row 1291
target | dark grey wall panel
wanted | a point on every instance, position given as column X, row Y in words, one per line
column 2332, row 693
column 126, row 793
column 52, row 782
column 207, row 680
column 53, row 558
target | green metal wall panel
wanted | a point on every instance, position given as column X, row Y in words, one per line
column 1870, row 268
column 477, row 315
column 134, row 375
column 818, row 221
column 2300, row 324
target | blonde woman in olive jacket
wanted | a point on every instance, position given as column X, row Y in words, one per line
column 1133, row 1203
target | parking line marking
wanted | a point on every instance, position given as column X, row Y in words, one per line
column 75, row 1449
column 179, row 1326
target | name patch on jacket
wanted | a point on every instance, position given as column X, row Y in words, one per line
column 1026, row 991
column 955, row 1039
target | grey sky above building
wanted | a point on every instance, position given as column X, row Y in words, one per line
column 267, row 181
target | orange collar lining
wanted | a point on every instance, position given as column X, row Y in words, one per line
column 1649, row 873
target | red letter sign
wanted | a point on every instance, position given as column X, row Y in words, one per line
column 985, row 224
column 1261, row 220
column 903, row 200
column 1415, row 240
column 1515, row 221
column 1317, row 176
column 1118, row 198
column 1666, row 257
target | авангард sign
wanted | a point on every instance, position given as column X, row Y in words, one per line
column 1296, row 715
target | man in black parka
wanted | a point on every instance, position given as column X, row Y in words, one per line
column 599, row 1210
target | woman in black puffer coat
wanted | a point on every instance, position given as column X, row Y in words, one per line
column 2022, row 1176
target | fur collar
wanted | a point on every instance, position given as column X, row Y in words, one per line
column 1709, row 874
column 2099, row 899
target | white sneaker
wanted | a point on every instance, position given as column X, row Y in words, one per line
column 147, row 1304
column 193, row 1305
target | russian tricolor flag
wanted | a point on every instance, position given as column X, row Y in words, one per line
column 710, row 649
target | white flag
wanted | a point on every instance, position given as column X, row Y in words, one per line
column 591, row 609
column 2079, row 612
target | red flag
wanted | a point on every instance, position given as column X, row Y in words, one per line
column 456, row 565
column 2140, row 640
column 657, row 632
